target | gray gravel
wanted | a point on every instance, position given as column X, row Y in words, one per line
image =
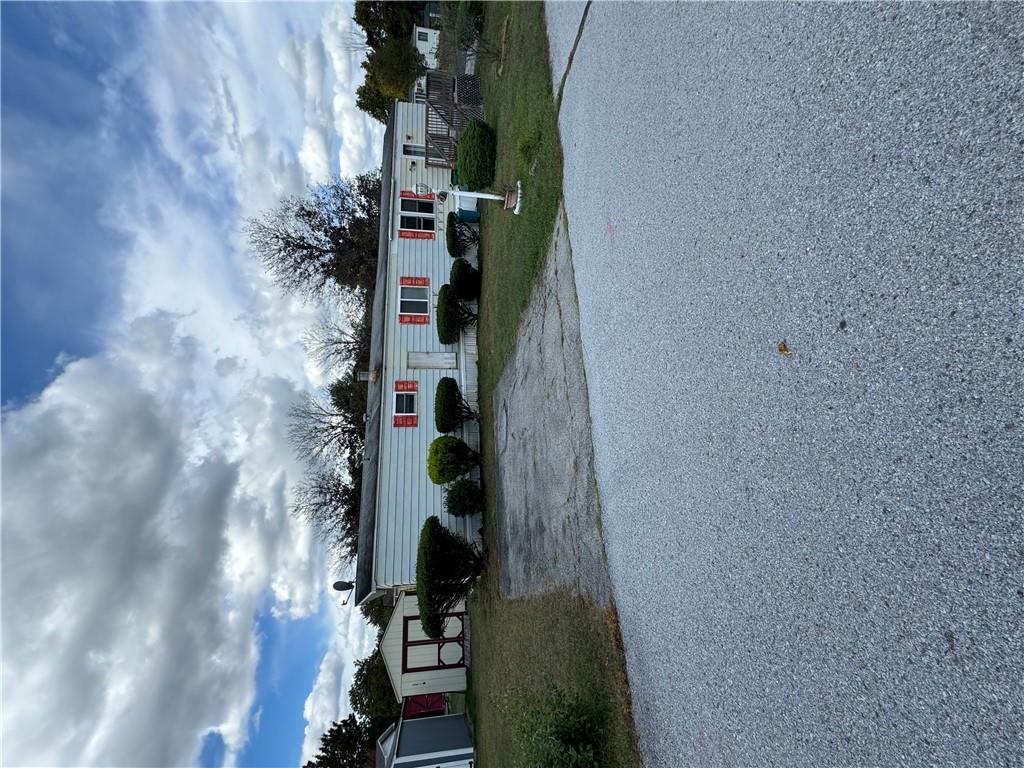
column 817, row 559
column 563, row 23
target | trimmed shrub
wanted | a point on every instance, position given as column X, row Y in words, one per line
column 446, row 567
column 448, row 458
column 465, row 280
column 463, row 498
column 451, row 239
column 452, row 315
column 475, row 155
column 459, row 235
column 564, row 733
column 450, row 407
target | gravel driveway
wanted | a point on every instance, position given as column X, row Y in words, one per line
column 797, row 242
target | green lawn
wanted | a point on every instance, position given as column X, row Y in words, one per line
column 518, row 104
column 521, row 648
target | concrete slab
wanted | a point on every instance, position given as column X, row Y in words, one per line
column 547, row 498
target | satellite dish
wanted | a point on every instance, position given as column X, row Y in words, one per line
column 344, row 586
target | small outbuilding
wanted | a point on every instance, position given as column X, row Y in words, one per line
column 429, row 742
column 417, row 663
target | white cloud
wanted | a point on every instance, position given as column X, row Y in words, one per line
column 146, row 489
column 123, row 617
column 328, row 701
column 314, row 154
column 359, row 136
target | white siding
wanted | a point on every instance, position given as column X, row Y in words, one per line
column 413, row 683
column 427, row 47
column 405, row 495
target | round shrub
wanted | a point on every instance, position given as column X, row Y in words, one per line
column 463, row 498
column 451, row 237
column 452, row 315
column 475, row 157
column 465, row 280
column 448, row 458
column 450, row 407
column 446, row 567
column 448, row 319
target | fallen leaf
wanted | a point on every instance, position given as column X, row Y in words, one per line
column 784, row 349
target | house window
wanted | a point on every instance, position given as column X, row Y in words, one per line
column 416, row 219
column 414, row 302
column 421, row 36
column 404, row 414
column 405, row 403
column 414, row 150
column 419, row 206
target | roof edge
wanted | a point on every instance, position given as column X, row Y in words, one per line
column 366, row 542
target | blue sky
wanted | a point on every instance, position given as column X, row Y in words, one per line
column 147, row 371
column 45, row 178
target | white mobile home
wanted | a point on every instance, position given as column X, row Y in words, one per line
column 406, row 362
column 425, row 40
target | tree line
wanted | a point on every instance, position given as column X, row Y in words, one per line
column 392, row 62
column 322, row 246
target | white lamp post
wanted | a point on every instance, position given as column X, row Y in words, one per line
column 442, row 194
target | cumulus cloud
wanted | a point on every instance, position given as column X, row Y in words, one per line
column 351, row 639
column 146, row 489
column 358, row 135
column 126, row 617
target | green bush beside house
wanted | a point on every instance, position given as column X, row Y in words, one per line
column 450, row 407
column 465, row 280
column 446, row 567
column 448, row 458
column 476, row 155
column 452, row 315
column 463, row 498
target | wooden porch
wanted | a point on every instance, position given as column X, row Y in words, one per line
column 452, row 102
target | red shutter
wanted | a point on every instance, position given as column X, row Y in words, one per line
column 405, row 419
column 415, row 234
column 408, row 193
column 414, row 319
column 419, row 282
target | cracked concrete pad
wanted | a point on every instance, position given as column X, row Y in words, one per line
column 547, row 499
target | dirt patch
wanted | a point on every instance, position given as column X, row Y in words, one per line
column 548, row 527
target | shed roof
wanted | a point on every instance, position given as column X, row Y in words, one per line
column 375, row 388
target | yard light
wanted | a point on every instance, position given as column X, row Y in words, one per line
column 513, row 198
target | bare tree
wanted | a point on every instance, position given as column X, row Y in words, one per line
column 317, row 431
column 330, row 504
column 293, row 246
column 327, row 237
column 331, row 345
